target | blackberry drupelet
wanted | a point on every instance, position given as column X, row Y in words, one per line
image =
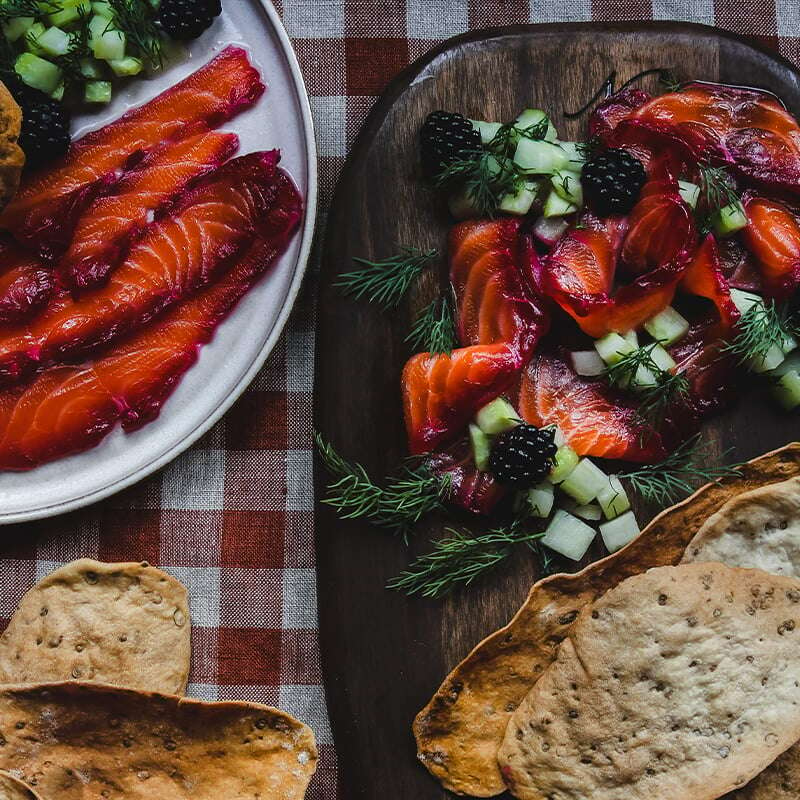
column 445, row 138
column 45, row 132
column 523, row 456
column 612, row 181
column 187, row 19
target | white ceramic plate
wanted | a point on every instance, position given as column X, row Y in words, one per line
column 282, row 118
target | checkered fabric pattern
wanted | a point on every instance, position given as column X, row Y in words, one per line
column 233, row 517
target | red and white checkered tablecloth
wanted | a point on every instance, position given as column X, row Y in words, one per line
column 233, row 517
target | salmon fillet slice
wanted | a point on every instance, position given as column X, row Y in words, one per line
column 26, row 284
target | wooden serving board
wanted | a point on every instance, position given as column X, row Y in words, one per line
column 383, row 653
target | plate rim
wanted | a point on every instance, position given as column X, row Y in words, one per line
column 307, row 233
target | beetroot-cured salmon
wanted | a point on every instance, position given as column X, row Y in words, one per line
column 773, row 237
column 25, row 283
column 212, row 225
column 594, row 422
column 44, row 211
column 470, row 488
column 704, row 278
column 493, row 304
column 441, row 393
column 106, row 228
column 68, row 409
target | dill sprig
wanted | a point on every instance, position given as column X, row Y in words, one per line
column 434, row 329
column 135, row 19
column 385, row 282
column 460, row 558
column 678, row 474
column 70, row 62
column 484, row 177
column 510, row 132
column 760, row 328
column 400, row 504
column 11, row 9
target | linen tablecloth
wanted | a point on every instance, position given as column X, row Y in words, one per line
column 233, row 517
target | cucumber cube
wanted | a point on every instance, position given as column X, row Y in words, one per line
column 540, row 500
column 549, row 231
column 568, row 536
column 125, row 67
column 668, row 326
column 97, row 92
column 539, row 157
column 631, row 337
column 585, row 482
column 791, row 362
column 487, row 130
column 15, row 28
column 729, row 219
column 54, row 42
column 590, row 512
column 612, row 347
column 644, row 378
column 744, row 301
column 481, row 447
column 662, row 359
column 107, row 43
column 565, row 461
column 618, row 532
column 462, row 205
column 535, row 117
column 558, row 436
column 497, row 417
column 38, row 73
column 32, row 39
column 520, row 202
column 103, row 8
column 772, row 359
column 575, row 154
column 787, row 390
column 789, row 344
column 690, row 192
column 58, row 94
column 92, row 68
column 557, row 206
column 613, row 499
column 567, row 185
column 587, row 363
column 71, row 11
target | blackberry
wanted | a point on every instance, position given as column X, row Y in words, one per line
column 446, row 137
column 523, row 456
column 45, row 127
column 612, row 181
column 187, row 19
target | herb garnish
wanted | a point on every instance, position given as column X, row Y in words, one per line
column 763, row 326
column 12, row 9
column 70, row 62
column 400, row 504
column 675, row 476
column 135, row 19
column 434, row 330
column 385, row 282
column 484, row 177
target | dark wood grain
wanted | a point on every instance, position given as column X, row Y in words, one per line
column 384, row 654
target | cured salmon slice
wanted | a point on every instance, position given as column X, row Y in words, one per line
column 44, row 211
column 68, row 409
column 493, row 304
column 473, row 490
column 441, row 393
column 25, row 283
column 593, row 422
column 106, row 228
column 210, row 227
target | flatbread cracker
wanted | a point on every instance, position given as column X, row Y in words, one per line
column 12, row 159
column 13, row 789
column 87, row 741
column 124, row 624
column 460, row 729
column 681, row 682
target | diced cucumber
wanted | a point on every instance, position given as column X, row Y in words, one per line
column 481, row 447
column 789, row 344
column 568, row 536
column 58, row 94
column 534, row 117
column 103, row 8
column 37, row 72
column 668, row 326
column 690, row 192
column 125, row 67
column 575, row 153
column 497, row 417
column 744, row 301
column 54, row 42
column 557, row 206
column 662, row 359
column 538, row 157
column 612, row 347
column 613, row 499
column 791, row 362
column 462, row 205
column 729, row 219
column 97, row 92
column 585, row 482
column 32, row 38
column 92, row 68
column 591, row 512
column 70, row 11
column 564, row 461
column 772, row 359
column 107, row 43
column 16, row 27
column 631, row 337
column 549, row 231
column 644, row 378
column 520, row 202
column 487, row 130
column 618, row 532
column 558, row 435
column 567, row 185
column 587, row 363
column 541, row 499
column 787, row 390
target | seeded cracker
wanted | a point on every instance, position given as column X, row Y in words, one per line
column 12, row 789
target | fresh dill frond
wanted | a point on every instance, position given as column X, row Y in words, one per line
column 435, row 329
column 716, row 192
column 760, row 328
column 135, row 19
column 12, row 9
column 385, row 282
column 460, row 558
column 668, row 80
column 484, row 177
column 678, row 474
column 510, row 132
column 398, row 505
column 70, row 62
